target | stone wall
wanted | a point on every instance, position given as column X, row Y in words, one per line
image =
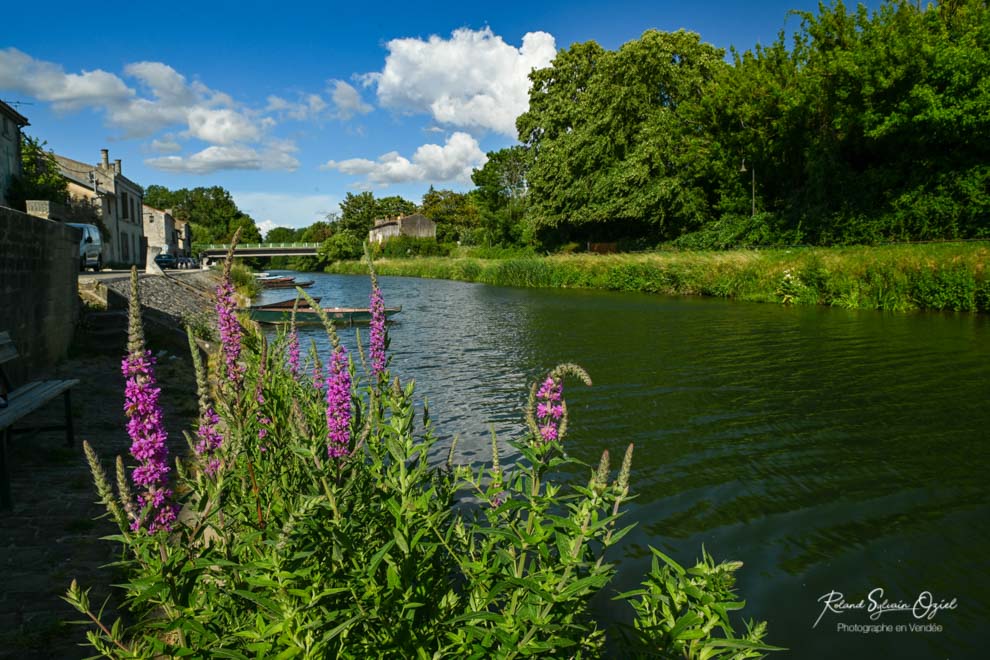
column 39, row 303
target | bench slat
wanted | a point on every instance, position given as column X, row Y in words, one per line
column 32, row 396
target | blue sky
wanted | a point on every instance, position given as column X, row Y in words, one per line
column 292, row 105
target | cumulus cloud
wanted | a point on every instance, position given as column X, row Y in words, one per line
column 47, row 81
column 453, row 161
column 274, row 156
column 473, row 80
column 347, row 100
column 283, row 210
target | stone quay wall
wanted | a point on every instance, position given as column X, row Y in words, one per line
column 39, row 300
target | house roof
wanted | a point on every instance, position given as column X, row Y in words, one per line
column 78, row 171
column 18, row 118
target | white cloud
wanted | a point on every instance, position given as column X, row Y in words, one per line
column 433, row 163
column 473, row 80
column 282, row 210
column 221, row 126
column 47, row 81
column 166, row 146
column 347, row 100
column 274, row 156
column 309, row 106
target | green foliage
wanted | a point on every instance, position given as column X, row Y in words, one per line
column 40, row 177
column 283, row 551
column 456, row 214
column 685, row 613
column 245, row 283
column 897, row 277
column 359, row 212
column 501, row 196
column 212, row 211
column 341, row 245
column 409, row 246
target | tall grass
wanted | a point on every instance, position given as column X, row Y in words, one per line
column 942, row 276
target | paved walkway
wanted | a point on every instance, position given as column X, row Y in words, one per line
column 52, row 535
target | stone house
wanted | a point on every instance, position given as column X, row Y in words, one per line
column 416, row 225
column 184, row 238
column 11, row 123
column 116, row 201
column 159, row 230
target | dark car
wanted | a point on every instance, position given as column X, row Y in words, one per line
column 166, row 261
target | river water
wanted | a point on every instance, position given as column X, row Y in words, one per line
column 829, row 450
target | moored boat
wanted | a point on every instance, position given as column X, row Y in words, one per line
column 287, row 283
column 308, row 316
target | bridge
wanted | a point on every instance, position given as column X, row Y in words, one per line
column 219, row 251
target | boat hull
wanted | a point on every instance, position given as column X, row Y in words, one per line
column 339, row 315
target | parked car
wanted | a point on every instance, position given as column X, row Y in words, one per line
column 166, row 261
column 188, row 262
column 90, row 246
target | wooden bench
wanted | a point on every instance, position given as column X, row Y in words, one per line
column 22, row 401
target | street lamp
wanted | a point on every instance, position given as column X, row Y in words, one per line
column 742, row 169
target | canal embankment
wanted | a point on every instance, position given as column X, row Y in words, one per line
column 937, row 276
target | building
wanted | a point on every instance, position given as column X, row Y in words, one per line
column 159, row 230
column 11, row 123
column 183, row 231
column 116, row 201
column 416, row 225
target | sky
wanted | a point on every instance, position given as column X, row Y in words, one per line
column 292, row 105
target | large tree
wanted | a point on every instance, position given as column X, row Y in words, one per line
column 212, row 212
column 456, row 214
column 501, row 195
column 615, row 138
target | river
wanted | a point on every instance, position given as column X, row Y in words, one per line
column 829, row 450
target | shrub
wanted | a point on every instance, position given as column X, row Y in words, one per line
column 309, row 521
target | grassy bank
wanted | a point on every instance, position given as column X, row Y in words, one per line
column 943, row 276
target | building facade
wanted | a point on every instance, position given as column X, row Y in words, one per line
column 115, row 199
column 183, row 231
column 11, row 123
column 159, row 230
column 416, row 225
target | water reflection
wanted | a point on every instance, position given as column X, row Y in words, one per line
column 827, row 449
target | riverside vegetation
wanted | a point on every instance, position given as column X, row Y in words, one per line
column 946, row 276
column 308, row 520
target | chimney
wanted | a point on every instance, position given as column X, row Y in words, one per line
column 105, row 159
column 116, row 166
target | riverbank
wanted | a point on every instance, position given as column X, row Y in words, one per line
column 938, row 276
column 53, row 533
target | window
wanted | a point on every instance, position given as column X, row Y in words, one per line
column 133, row 214
column 123, row 206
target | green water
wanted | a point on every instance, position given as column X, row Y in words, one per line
column 828, row 450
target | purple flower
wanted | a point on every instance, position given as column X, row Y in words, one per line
column 146, row 429
column 210, row 440
column 294, row 351
column 317, row 376
column 338, row 405
column 263, row 431
column 548, row 410
column 377, row 332
column 230, row 331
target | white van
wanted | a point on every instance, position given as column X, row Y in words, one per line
column 90, row 247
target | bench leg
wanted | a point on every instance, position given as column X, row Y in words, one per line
column 4, row 470
column 70, row 438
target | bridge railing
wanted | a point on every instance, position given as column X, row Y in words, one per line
column 253, row 246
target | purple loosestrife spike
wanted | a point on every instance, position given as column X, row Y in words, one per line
column 227, row 323
column 146, row 427
column 546, row 410
column 210, row 440
column 339, row 405
column 294, row 348
column 377, row 332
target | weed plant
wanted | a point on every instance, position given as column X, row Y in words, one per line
column 307, row 520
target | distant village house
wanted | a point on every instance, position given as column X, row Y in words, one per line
column 416, row 225
column 159, row 230
column 11, row 123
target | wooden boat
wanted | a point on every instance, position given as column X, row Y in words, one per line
column 286, row 304
column 289, row 283
column 308, row 316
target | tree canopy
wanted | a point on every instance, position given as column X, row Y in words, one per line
column 212, row 211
